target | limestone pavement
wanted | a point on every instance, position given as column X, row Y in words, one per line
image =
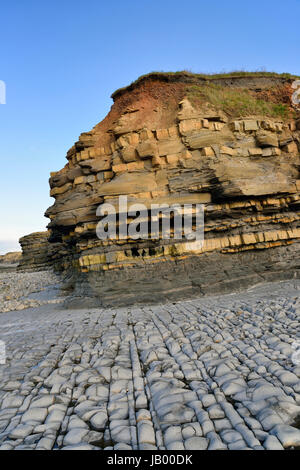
column 212, row 373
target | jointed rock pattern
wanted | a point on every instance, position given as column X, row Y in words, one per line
column 215, row 373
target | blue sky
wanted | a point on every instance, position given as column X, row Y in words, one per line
column 61, row 60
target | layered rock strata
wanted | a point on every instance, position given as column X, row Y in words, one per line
column 231, row 144
column 38, row 254
column 13, row 257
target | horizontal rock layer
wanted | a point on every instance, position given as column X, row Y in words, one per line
column 12, row 257
column 37, row 253
column 161, row 143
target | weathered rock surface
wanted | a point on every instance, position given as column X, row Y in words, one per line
column 12, row 257
column 168, row 139
column 208, row 373
column 38, row 254
column 22, row 290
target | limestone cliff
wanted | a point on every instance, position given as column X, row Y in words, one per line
column 229, row 142
column 37, row 253
column 13, row 257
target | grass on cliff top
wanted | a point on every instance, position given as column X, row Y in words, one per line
column 187, row 74
column 236, row 102
column 213, row 76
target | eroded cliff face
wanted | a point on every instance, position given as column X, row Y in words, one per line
column 230, row 143
column 13, row 258
column 38, row 254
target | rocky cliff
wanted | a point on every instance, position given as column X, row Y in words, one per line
column 13, row 257
column 38, row 254
column 228, row 142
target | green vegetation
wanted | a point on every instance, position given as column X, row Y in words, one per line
column 236, row 102
column 185, row 75
column 213, row 76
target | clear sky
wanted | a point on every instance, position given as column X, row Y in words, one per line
column 62, row 59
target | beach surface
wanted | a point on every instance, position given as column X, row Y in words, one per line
column 211, row 373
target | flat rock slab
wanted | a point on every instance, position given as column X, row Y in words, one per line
column 212, row 373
